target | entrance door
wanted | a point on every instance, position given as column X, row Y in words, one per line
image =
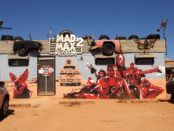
column 46, row 75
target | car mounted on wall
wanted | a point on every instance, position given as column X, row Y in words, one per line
column 23, row 47
column 105, row 46
column 4, row 100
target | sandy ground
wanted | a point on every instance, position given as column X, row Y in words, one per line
column 54, row 114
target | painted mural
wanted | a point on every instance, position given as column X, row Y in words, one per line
column 70, row 75
column 146, row 45
column 20, row 86
column 118, row 81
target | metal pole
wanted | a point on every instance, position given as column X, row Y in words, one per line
column 46, row 84
column 164, row 35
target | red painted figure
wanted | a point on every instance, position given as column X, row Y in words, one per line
column 133, row 76
column 119, row 81
column 120, row 59
column 101, row 74
column 19, row 84
column 149, row 90
column 117, row 84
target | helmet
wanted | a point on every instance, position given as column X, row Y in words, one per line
column 120, row 60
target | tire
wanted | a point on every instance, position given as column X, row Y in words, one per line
column 66, row 32
column 172, row 97
column 22, row 52
column 108, row 49
column 18, row 38
column 143, row 38
column 4, row 109
column 153, row 36
column 133, row 37
column 120, row 38
column 104, row 37
column 7, row 37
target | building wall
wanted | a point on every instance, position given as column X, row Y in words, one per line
column 5, row 69
column 129, row 57
column 80, row 61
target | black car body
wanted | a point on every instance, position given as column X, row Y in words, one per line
column 24, row 47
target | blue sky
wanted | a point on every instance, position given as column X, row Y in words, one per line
column 88, row 17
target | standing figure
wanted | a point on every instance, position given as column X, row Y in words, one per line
column 19, row 84
column 149, row 90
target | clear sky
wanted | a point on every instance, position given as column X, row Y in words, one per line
column 88, row 17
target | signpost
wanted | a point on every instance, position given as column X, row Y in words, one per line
column 46, row 71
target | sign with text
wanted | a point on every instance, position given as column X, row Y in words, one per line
column 68, row 45
column 46, row 70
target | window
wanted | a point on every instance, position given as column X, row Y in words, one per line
column 18, row 61
column 104, row 61
column 144, row 59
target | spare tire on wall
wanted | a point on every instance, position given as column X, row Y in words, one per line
column 153, row 36
column 120, row 38
column 65, row 32
column 104, row 37
column 22, row 51
column 131, row 37
column 108, row 49
column 7, row 37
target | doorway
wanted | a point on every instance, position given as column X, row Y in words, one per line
column 46, row 75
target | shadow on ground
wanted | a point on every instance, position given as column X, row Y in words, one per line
column 10, row 112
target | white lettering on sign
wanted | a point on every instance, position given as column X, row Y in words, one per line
column 66, row 46
column 46, row 70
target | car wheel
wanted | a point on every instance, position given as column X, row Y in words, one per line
column 66, row 32
column 172, row 97
column 120, row 38
column 104, row 37
column 153, row 36
column 4, row 109
column 7, row 37
column 131, row 37
column 108, row 49
column 22, row 52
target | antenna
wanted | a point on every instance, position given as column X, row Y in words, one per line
column 51, row 30
column 163, row 26
column 30, row 36
column 51, row 34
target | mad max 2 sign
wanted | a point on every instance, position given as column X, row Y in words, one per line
column 68, row 45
